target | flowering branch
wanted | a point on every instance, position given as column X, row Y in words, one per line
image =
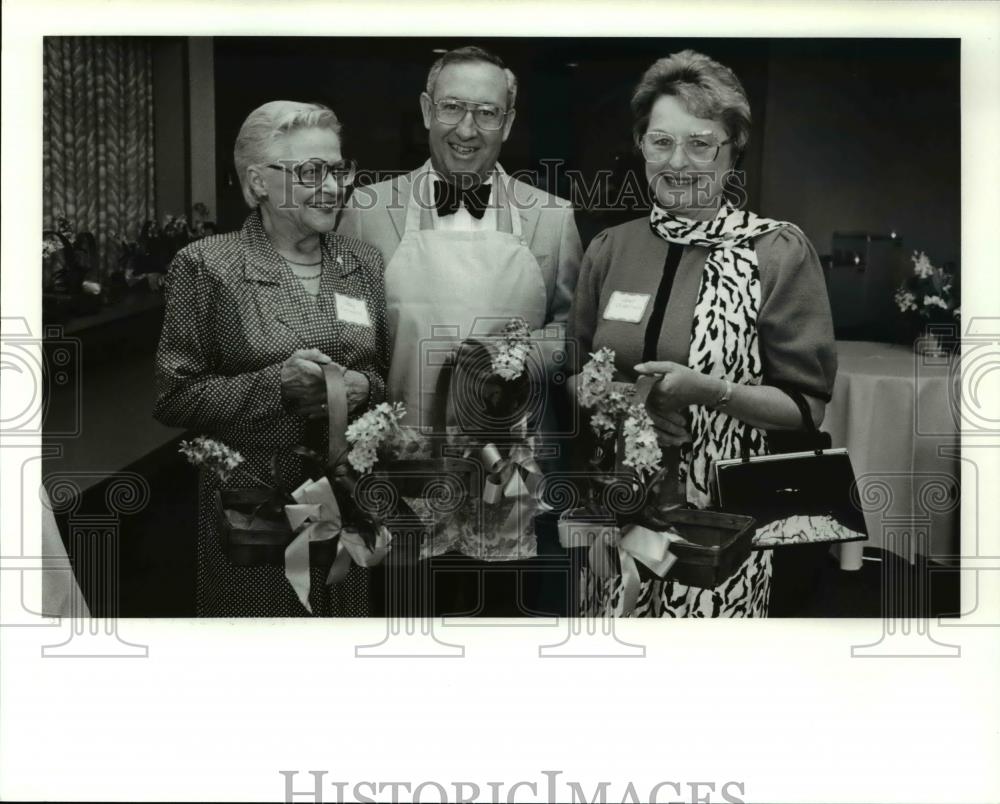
column 613, row 408
column 515, row 341
column 376, row 430
column 642, row 452
column 217, row 457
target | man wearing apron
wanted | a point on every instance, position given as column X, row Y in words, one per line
column 466, row 247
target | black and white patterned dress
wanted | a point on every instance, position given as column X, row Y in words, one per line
column 235, row 313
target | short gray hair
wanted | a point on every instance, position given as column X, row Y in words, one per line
column 706, row 88
column 472, row 55
column 266, row 124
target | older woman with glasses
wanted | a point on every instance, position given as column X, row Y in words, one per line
column 252, row 318
column 724, row 307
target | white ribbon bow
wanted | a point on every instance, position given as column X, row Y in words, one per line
column 633, row 543
column 315, row 518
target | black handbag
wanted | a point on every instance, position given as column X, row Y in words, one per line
column 809, row 486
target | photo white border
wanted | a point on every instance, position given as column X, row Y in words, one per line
column 219, row 708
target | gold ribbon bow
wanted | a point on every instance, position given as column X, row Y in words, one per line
column 316, row 517
column 633, row 543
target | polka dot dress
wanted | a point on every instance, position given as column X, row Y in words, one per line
column 235, row 313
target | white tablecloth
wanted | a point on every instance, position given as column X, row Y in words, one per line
column 61, row 596
column 892, row 409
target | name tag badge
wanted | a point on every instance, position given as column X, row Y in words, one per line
column 353, row 311
column 627, row 307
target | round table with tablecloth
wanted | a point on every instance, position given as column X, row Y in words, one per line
column 895, row 411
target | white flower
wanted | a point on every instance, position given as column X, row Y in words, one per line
column 642, row 452
column 922, row 265
column 595, row 380
column 50, row 245
column 512, row 351
column 602, row 424
column 377, row 428
column 905, row 300
column 213, row 455
column 362, row 459
column 935, row 301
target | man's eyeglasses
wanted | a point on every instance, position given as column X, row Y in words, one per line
column 486, row 116
column 313, row 172
column 658, row 146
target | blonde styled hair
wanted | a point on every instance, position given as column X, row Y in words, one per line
column 268, row 123
column 706, row 88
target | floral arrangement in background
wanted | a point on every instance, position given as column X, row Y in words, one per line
column 152, row 251
column 58, row 238
column 929, row 292
column 614, row 413
column 70, row 274
column 78, row 278
column 50, row 245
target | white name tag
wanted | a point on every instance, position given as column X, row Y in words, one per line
column 353, row 311
column 628, row 307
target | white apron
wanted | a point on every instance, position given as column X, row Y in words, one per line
column 441, row 288
column 445, row 286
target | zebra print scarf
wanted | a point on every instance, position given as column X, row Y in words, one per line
column 724, row 332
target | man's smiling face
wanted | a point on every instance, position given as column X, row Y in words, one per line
column 463, row 148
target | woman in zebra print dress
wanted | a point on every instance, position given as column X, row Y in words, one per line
column 726, row 308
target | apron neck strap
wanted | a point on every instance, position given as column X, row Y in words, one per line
column 420, row 211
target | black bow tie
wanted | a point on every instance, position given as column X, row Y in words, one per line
column 448, row 198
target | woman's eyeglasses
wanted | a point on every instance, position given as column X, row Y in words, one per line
column 313, row 172
column 658, row 146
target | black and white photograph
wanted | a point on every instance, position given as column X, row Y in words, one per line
column 369, row 362
column 734, row 222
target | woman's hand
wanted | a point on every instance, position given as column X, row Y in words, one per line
column 357, row 389
column 303, row 388
column 678, row 387
column 671, row 429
